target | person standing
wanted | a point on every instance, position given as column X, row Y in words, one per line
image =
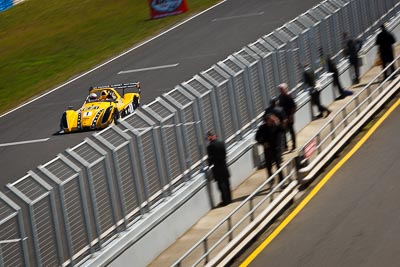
column 277, row 110
column 351, row 50
column 385, row 41
column 332, row 68
column 216, row 152
column 269, row 136
column 289, row 106
column 309, row 81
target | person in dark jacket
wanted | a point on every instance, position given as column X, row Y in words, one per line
column 351, row 50
column 309, row 82
column 385, row 41
column 335, row 76
column 289, row 106
column 278, row 111
column 269, row 136
column 216, row 152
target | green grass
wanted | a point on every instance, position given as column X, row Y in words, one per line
column 44, row 43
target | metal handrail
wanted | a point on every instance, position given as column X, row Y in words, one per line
column 343, row 109
column 249, row 214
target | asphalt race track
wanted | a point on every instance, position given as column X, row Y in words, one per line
column 354, row 220
column 26, row 134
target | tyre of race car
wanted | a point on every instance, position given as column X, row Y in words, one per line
column 116, row 115
column 63, row 121
column 135, row 103
column 107, row 115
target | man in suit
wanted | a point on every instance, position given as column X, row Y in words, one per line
column 216, row 152
column 385, row 41
column 351, row 50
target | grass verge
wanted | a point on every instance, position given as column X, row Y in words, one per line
column 44, row 43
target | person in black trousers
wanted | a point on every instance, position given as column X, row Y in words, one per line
column 335, row 77
column 309, row 82
column 385, row 41
column 216, row 152
column 269, row 136
column 351, row 49
column 289, row 106
column 278, row 111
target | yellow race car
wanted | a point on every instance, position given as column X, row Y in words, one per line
column 103, row 106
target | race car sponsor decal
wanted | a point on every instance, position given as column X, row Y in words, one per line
column 91, row 107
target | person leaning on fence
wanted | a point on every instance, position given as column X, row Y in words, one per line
column 351, row 49
column 289, row 106
column 310, row 83
column 269, row 136
column 385, row 41
column 216, row 152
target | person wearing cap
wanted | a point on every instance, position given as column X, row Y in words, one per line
column 289, row 106
column 216, row 152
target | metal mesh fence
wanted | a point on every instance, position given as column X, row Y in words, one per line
column 38, row 197
column 190, row 123
column 12, row 237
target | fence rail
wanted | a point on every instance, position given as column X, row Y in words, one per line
column 74, row 205
column 349, row 114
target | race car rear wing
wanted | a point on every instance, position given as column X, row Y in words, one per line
column 122, row 86
column 119, row 86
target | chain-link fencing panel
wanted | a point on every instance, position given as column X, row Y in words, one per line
column 76, row 231
column 95, row 163
column 280, row 47
column 171, row 141
column 37, row 196
column 269, row 63
column 257, row 83
column 124, row 173
column 242, row 96
column 149, row 156
column 13, row 248
column 206, row 102
column 226, row 111
column 190, row 122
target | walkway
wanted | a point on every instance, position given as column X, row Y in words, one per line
column 175, row 251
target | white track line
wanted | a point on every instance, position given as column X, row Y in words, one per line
column 149, row 68
column 24, row 142
column 239, row 16
column 105, row 63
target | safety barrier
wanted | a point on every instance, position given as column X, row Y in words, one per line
column 259, row 208
column 6, row 4
column 78, row 203
column 344, row 123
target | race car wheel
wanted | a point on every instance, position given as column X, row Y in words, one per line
column 63, row 122
column 107, row 115
column 116, row 116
